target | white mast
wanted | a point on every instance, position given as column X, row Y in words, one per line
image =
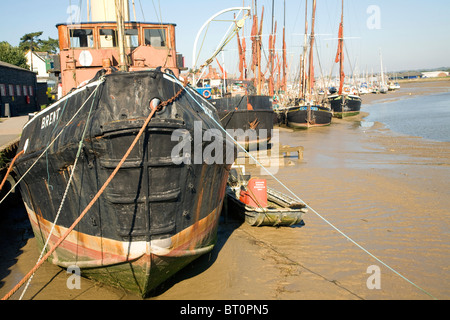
column 382, row 74
column 232, row 30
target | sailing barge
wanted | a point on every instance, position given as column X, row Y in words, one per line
column 307, row 111
column 343, row 104
column 161, row 210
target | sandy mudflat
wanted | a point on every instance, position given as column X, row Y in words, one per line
column 389, row 193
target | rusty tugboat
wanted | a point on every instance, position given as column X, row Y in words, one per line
column 98, row 176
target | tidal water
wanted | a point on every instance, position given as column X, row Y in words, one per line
column 422, row 116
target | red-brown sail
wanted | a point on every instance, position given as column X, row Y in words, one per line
column 311, row 51
column 256, row 50
column 340, row 52
column 271, row 63
column 241, row 57
column 283, row 82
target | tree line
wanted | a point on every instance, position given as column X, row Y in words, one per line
column 30, row 41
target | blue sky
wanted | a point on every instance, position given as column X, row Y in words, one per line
column 410, row 34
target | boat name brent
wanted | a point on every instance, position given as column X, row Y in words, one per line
column 50, row 118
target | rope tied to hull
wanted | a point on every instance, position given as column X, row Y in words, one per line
column 102, row 189
column 11, row 165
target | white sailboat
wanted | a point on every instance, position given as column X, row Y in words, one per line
column 383, row 88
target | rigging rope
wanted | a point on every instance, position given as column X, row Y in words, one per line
column 11, row 165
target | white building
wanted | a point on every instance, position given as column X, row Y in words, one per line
column 41, row 65
column 434, row 74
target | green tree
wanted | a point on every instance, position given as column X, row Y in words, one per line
column 13, row 55
column 51, row 45
column 30, row 41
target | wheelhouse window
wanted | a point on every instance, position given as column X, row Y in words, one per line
column 132, row 38
column 155, row 37
column 81, row 38
column 18, row 91
column 2, row 90
column 11, row 90
column 108, row 38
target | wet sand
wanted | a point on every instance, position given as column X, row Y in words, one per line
column 387, row 192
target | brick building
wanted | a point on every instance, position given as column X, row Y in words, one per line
column 19, row 90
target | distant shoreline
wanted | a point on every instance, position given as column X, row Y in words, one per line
column 410, row 88
column 423, row 80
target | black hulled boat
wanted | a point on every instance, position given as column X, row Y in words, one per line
column 162, row 208
column 158, row 213
column 251, row 113
column 345, row 105
column 306, row 116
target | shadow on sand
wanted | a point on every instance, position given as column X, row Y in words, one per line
column 15, row 230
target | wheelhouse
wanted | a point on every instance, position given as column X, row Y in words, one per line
column 86, row 48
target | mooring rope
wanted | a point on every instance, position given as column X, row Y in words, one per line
column 100, row 192
column 11, row 165
column 314, row 211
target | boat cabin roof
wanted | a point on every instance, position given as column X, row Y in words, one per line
column 97, row 35
column 114, row 22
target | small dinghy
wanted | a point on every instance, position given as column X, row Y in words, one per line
column 261, row 205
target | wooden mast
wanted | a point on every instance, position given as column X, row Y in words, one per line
column 271, row 55
column 303, row 57
column 121, row 34
column 311, row 63
column 259, row 51
column 311, row 52
column 283, row 83
column 241, row 53
column 340, row 53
